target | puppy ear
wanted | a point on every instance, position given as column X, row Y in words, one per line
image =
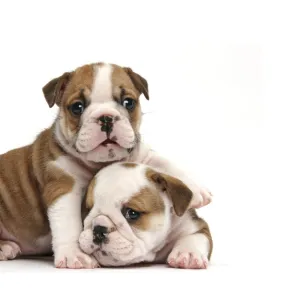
column 54, row 89
column 139, row 82
column 177, row 191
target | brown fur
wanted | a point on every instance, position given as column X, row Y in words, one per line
column 89, row 199
column 81, row 79
column 80, row 83
column 149, row 203
column 58, row 184
column 203, row 228
column 139, row 82
column 177, row 191
column 54, row 89
column 129, row 165
column 124, row 87
column 28, row 185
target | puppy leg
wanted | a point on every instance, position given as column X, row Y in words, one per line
column 9, row 250
column 66, row 225
column 190, row 252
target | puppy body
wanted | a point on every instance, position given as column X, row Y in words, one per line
column 42, row 185
column 145, row 216
column 32, row 178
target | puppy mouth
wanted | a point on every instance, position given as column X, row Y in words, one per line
column 118, row 254
column 108, row 142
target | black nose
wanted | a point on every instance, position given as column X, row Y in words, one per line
column 106, row 123
column 100, row 233
column 106, row 119
column 107, row 127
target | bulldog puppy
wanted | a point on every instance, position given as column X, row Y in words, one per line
column 42, row 185
column 139, row 214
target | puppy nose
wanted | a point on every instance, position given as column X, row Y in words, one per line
column 106, row 123
column 99, row 233
column 106, row 119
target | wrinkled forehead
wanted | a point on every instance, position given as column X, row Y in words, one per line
column 101, row 82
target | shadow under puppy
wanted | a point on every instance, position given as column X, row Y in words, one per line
column 138, row 214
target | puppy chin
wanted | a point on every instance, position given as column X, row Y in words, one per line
column 107, row 153
column 118, row 254
column 115, row 260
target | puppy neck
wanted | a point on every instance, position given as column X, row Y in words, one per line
column 179, row 225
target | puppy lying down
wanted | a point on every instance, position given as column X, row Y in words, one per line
column 138, row 214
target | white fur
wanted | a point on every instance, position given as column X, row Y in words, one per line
column 190, row 251
column 102, row 86
column 131, row 177
column 65, row 223
column 65, row 218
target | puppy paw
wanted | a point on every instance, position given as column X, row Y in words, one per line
column 74, row 258
column 206, row 196
column 187, row 260
column 9, row 250
column 201, row 197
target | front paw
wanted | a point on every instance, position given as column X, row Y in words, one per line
column 8, row 250
column 187, row 259
column 206, row 196
column 201, row 197
column 73, row 258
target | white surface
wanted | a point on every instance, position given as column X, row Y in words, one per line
column 39, row 279
column 224, row 88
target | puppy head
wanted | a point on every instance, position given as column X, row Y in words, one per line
column 99, row 110
column 132, row 207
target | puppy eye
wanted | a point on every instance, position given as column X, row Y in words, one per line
column 77, row 108
column 130, row 214
column 129, row 104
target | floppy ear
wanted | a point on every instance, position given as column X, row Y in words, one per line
column 54, row 89
column 177, row 191
column 139, row 82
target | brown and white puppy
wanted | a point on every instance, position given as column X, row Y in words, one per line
column 42, row 184
column 139, row 214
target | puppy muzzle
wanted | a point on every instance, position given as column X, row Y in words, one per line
column 109, row 130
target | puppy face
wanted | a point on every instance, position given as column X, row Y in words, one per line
column 100, row 112
column 130, row 213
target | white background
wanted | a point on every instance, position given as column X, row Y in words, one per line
column 224, row 104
